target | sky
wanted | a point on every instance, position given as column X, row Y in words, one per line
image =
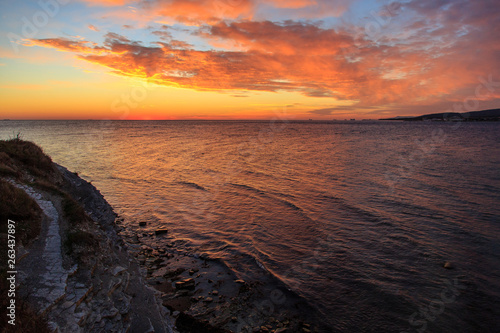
column 247, row 59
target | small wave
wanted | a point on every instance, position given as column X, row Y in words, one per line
column 289, row 204
column 193, row 185
column 247, row 187
column 358, row 211
column 267, row 195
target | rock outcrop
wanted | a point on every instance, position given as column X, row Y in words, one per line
column 81, row 277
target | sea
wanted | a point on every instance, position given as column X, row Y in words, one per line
column 357, row 218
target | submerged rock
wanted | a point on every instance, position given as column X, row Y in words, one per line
column 161, row 231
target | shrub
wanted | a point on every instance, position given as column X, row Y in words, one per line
column 16, row 205
column 29, row 154
column 79, row 239
column 73, row 212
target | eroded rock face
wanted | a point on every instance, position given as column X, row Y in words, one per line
column 104, row 292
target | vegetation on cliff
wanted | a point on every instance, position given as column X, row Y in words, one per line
column 74, row 273
column 19, row 160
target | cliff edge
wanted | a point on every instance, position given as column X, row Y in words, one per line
column 74, row 272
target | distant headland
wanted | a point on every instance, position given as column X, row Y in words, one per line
column 484, row 115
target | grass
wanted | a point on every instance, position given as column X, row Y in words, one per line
column 74, row 212
column 47, row 186
column 29, row 156
column 28, row 164
column 27, row 320
column 16, row 205
column 79, row 243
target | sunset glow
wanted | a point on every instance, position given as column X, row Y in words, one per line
column 247, row 59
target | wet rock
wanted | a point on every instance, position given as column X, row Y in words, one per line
column 156, row 280
column 182, row 293
column 182, row 303
column 134, row 239
column 448, row 265
column 161, row 232
column 185, row 284
column 187, row 323
column 243, row 286
column 160, row 272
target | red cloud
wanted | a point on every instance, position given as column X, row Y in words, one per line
column 198, row 11
column 421, row 63
column 321, row 71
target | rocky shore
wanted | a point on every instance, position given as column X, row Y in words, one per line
column 89, row 270
column 102, row 290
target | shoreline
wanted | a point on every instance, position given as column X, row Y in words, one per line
column 207, row 289
column 114, row 278
column 72, row 271
column 204, row 294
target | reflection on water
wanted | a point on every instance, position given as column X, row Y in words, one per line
column 358, row 218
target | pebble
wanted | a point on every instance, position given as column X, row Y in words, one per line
column 185, row 284
column 281, row 330
column 448, row 265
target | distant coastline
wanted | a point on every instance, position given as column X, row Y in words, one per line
column 484, row 115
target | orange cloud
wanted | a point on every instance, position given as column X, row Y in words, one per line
column 418, row 65
column 198, row 11
column 292, row 3
column 294, row 57
column 65, row 44
column 106, row 2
